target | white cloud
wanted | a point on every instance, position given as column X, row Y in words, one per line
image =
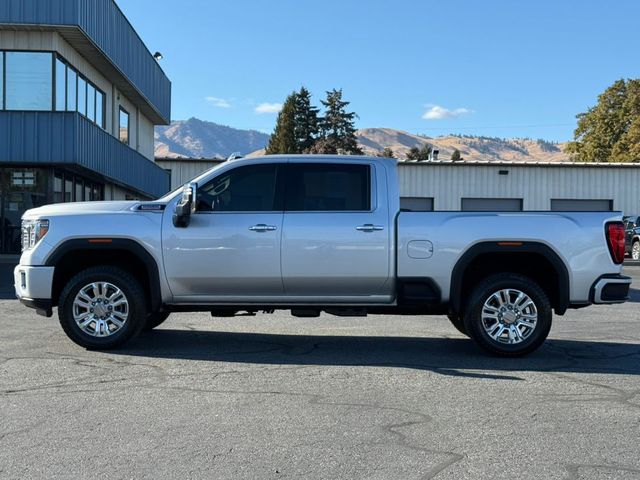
column 436, row 112
column 218, row 102
column 268, row 108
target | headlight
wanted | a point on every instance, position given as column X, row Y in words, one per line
column 32, row 232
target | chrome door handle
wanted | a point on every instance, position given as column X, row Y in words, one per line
column 261, row 227
column 369, row 227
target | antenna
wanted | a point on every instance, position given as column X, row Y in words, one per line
column 234, row 156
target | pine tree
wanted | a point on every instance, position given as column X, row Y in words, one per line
column 306, row 121
column 419, row 154
column 386, row 153
column 455, row 156
column 337, row 126
column 283, row 138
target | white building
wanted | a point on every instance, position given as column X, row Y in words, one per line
column 509, row 186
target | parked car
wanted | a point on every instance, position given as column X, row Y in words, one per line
column 311, row 234
column 632, row 236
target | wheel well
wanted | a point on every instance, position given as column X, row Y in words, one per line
column 74, row 261
column 537, row 265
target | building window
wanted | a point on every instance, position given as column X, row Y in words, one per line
column 417, row 204
column 74, row 92
column 82, row 96
column 28, row 81
column 72, row 85
column 100, row 108
column 61, row 85
column 1, row 80
column 492, row 204
column 123, row 126
column 581, row 205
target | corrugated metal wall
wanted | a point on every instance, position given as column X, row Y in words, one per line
column 536, row 184
column 68, row 138
column 109, row 29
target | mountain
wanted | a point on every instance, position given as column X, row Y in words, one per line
column 374, row 140
column 199, row 139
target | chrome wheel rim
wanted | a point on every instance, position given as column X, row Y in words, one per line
column 100, row 309
column 635, row 251
column 509, row 316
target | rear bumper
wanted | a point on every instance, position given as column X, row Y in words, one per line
column 611, row 289
column 33, row 287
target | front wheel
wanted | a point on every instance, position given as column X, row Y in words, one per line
column 635, row 251
column 508, row 315
column 102, row 307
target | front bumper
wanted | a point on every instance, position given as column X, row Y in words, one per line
column 611, row 289
column 33, row 287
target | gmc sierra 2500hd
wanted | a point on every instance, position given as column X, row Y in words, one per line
column 311, row 234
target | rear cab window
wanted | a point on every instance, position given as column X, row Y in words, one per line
column 328, row 187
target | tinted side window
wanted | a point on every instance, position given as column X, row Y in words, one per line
column 243, row 189
column 328, row 187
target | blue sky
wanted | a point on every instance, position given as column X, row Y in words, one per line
column 496, row 67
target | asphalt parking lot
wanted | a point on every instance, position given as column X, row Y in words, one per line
column 271, row 397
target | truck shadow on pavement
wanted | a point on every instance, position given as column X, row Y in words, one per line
column 445, row 356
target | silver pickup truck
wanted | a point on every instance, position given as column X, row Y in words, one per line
column 312, row 234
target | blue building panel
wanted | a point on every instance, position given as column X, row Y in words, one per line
column 110, row 31
column 46, row 138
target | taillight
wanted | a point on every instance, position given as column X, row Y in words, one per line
column 615, row 241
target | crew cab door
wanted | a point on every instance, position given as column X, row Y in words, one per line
column 336, row 234
column 231, row 247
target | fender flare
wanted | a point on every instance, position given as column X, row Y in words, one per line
column 455, row 293
column 127, row 244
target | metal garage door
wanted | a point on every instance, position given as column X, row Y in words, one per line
column 579, row 205
column 492, row 204
column 417, row 204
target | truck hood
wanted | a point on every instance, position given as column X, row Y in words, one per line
column 78, row 208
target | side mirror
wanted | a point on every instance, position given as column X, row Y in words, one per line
column 186, row 206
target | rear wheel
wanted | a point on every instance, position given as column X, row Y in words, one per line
column 458, row 323
column 102, row 307
column 635, row 250
column 508, row 315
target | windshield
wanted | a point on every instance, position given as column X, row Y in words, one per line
column 197, row 179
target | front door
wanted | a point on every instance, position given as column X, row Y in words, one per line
column 231, row 248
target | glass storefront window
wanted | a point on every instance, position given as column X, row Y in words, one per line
column 29, row 81
column 79, row 191
column 57, row 189
column 20, row 190
column 68, row 190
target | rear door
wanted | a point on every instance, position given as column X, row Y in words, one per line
column 336, row 237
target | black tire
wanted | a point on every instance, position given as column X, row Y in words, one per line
column 473, row 317
column 154, row 320
column 635, row 250
column 131, row 289
column 458, row 323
